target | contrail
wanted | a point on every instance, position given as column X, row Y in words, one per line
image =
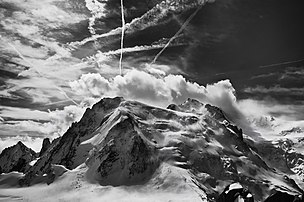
column 32, row 65
column 177, row 33
column 122, row 35
column 21, row 56
column 282, row 63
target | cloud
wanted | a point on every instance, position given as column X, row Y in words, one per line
column 278, row 90
column 38, row 123
column 25, row 39
column 157, row 89
column 27, row 128
column 23, row 113
column 153, row 17
column 42, row 12
column 97, row 10
column 62, row 119
column 269, row 118
column 271, row 107
column 91, row 84
column 292, row 74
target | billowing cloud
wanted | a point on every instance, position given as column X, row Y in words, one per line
column 91, row 84
column 62, row 119
column 97, row 10
column 157, row 89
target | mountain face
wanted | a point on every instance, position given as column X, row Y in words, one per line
column 45, row 145
column 67, row 150
column 16, row 158
column 127, row 143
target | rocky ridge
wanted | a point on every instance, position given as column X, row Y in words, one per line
column 16, row 158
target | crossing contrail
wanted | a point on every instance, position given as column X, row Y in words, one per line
column 21, row 56
column 282, row 63
column 32, row 65
column 122, row 35
column 177, row 33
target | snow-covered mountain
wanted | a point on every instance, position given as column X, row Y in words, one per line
column 187, row 152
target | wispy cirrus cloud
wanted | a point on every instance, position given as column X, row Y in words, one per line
column 278, row 90
column 43, row 64
column 23, row 113
column 35, row 123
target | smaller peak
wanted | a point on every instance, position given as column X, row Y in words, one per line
column 45, row 145
column 107, row 101
column 20, row 144
column 191, row 105
column 216, row 112
column 192, row 102
column 173, row 107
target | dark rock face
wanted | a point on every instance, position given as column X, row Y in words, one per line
column 173, row 107
column 16, row 158
column 236, row 194
column 216, row 112
column 45, row 145
column 126, row 159
column 284, row 197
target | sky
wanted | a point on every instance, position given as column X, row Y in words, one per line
column 58, row 57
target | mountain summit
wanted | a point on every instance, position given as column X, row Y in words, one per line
column 189, row 152
column 16, row 158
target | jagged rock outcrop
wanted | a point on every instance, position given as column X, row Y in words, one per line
column 235, row 193
column 45, row 145
column 279, row 196
column 16, row 158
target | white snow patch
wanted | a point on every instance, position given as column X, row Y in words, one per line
column 33, row 161
column 234, row 186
